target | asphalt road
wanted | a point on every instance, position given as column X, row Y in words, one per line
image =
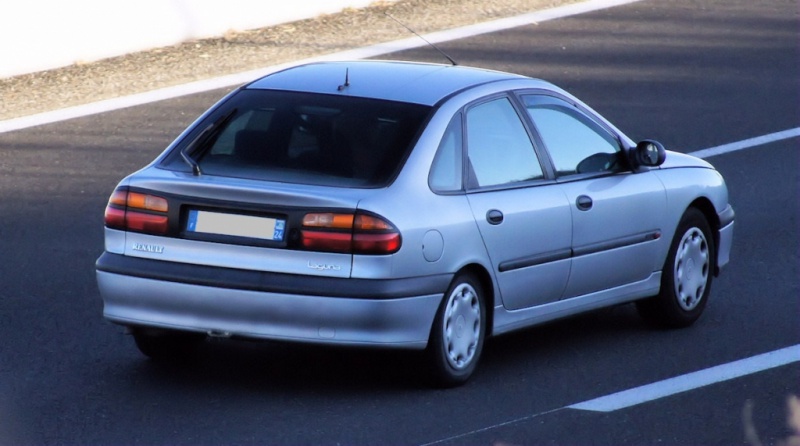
column 693, row 74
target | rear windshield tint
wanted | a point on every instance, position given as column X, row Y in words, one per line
column 332, row 140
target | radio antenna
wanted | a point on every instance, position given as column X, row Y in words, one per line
column 346, row 80
column 423, row 39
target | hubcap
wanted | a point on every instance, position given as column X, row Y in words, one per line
column 462, row 326
column 692, row 265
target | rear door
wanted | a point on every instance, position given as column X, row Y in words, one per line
column 271, row 181
column 524, row 219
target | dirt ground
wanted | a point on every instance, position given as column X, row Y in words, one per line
column 241, row 51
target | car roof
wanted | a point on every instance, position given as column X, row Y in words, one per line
column 414, row 82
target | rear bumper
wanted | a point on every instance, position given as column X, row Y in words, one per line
column 387, row 313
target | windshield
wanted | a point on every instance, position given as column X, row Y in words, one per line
column 304, row 138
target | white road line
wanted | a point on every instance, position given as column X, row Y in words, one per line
column 661, row 389
column 690, row 381
column 747, row 143
column 358, row 53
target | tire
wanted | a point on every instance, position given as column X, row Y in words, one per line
column 458, row 333
column 686, row 277
column 166, row 345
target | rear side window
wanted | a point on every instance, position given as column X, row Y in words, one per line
column 500, row 150
column 304, row 138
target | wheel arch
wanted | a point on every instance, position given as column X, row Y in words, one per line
column 705, row 206
column 482, row 275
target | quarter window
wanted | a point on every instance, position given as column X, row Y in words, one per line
column 447, row 170
column 499, row 148
column 576, row 143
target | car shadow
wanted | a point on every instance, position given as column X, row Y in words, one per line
column 264, row 366
column 297, row 368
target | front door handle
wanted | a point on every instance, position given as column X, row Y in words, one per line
column 494, row 217
column 584, row 202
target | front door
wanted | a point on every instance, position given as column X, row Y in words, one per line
column 615, row 230
column 616, row 213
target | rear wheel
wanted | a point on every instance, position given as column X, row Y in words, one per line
column 458, row 332
column 686, row 277
column 166, row 345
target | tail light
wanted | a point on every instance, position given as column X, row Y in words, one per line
column 357, row 233
column 135, row 211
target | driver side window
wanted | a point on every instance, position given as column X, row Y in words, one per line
column 576, row 143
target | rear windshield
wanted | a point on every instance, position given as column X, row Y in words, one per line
column 332, row 140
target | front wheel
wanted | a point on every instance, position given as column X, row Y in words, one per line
column 458, row 332
column 686, row 277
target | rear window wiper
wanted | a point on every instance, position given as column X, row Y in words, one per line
column 201, row 139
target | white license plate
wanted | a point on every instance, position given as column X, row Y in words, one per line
column 264, row 228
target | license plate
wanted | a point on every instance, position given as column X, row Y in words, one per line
column 237, row 225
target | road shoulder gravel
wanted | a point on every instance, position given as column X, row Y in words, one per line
column 247, row 50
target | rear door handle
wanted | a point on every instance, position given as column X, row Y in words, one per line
column 494, row 217
column 584, row 202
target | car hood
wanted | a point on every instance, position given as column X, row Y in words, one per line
column 677, row 159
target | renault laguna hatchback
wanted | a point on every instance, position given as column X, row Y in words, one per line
column 405, row 205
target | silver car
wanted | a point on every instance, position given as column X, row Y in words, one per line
column 405, row 205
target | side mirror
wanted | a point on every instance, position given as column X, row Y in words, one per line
column 649, row 153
